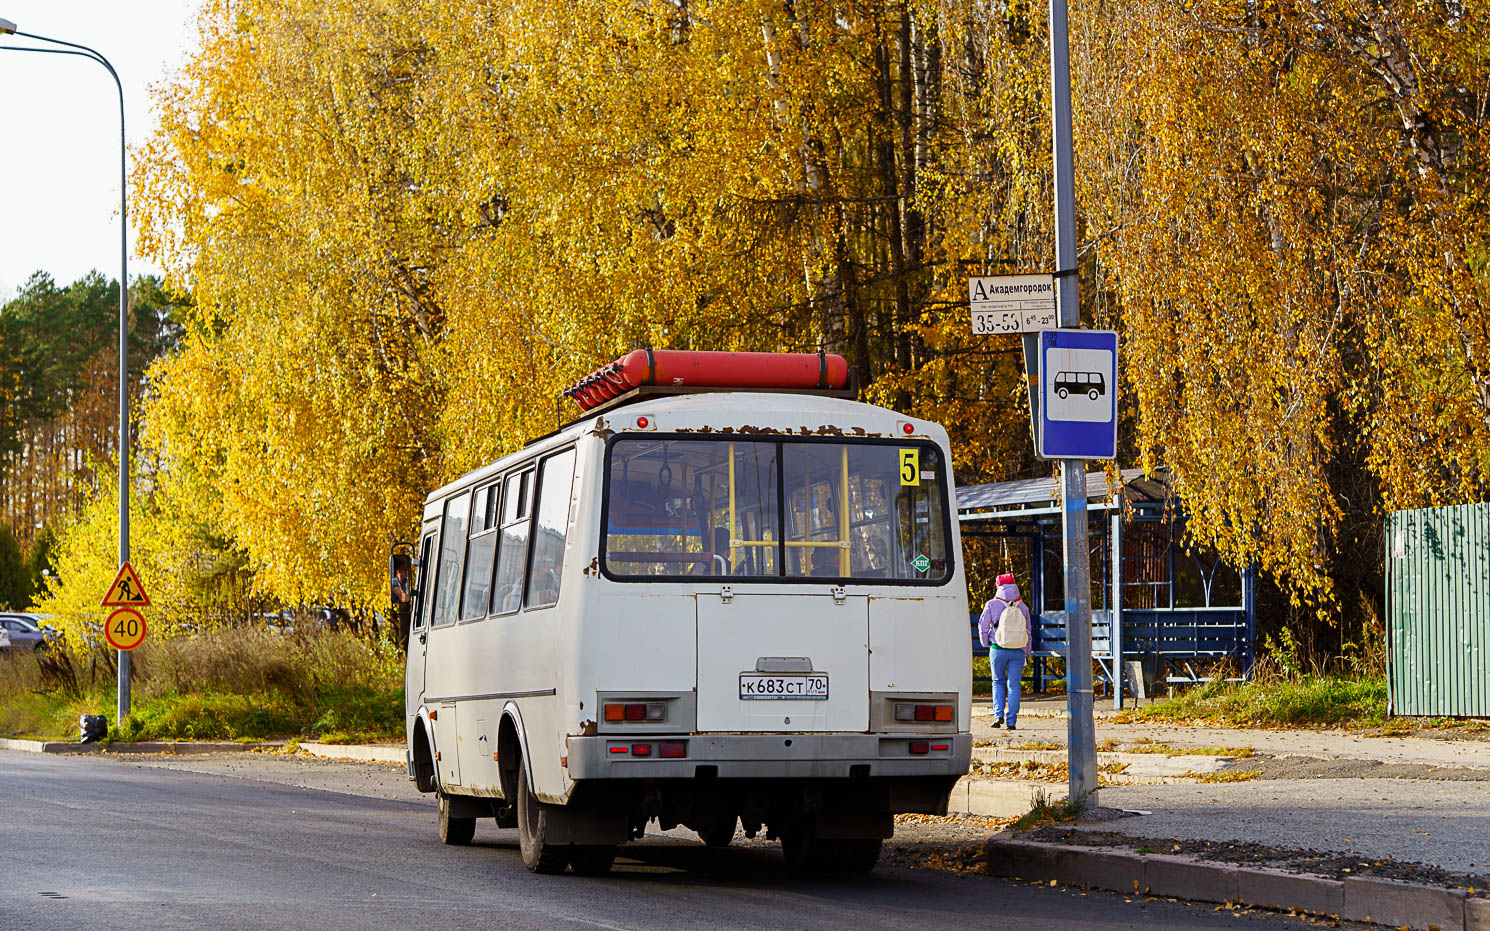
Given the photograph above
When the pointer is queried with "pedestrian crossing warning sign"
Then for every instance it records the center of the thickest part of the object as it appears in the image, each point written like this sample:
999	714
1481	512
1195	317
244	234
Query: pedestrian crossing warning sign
126	591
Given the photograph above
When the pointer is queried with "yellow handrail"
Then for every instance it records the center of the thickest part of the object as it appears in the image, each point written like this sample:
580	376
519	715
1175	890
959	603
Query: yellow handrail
734	529
843	555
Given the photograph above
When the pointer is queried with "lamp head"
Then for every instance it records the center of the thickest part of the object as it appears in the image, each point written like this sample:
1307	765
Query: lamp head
7	28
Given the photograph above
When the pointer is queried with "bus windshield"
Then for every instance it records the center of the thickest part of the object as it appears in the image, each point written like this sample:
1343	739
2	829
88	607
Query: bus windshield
776	509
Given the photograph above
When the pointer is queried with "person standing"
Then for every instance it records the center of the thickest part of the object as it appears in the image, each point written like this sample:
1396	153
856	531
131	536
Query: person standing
1004	627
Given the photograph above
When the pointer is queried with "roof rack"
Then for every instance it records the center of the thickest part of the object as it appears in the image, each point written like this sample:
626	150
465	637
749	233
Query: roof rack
647	392
648	373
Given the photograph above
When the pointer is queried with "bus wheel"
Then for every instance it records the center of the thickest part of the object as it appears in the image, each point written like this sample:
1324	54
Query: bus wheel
457	831
805	852
859	855
718	834
538	856
593	860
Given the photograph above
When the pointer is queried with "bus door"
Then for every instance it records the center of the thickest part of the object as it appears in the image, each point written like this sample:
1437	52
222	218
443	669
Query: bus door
423	577
796	659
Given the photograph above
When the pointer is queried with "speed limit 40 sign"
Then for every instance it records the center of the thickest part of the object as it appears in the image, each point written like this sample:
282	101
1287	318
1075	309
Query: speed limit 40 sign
125	629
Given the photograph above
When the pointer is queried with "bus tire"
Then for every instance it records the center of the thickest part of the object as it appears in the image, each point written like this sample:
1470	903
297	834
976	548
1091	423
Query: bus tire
805	852
593	860
859	855
454	831
720	833
538	856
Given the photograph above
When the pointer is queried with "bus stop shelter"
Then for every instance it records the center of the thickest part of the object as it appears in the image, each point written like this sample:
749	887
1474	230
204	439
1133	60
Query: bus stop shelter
1162	608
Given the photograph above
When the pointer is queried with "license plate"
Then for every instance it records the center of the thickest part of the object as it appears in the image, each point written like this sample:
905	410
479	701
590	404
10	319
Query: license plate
809	686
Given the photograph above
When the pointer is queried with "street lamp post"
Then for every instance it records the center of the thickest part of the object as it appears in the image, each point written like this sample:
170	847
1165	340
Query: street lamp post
72	48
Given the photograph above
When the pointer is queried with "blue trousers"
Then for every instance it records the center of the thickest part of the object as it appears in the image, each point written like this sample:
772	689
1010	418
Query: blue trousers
1008	667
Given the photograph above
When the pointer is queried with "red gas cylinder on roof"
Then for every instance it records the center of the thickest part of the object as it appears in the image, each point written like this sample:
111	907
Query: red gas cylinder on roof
724	370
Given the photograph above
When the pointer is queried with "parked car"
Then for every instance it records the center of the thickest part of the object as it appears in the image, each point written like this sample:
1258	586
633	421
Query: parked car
27	632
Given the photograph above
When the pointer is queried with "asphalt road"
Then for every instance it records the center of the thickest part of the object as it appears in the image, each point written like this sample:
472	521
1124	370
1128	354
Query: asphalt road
104	842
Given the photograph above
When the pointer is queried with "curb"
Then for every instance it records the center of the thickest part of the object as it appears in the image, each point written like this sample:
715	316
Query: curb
1379	901
364	753
142	746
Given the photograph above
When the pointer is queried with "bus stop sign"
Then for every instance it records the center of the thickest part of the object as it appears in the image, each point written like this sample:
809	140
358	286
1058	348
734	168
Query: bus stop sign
1078	394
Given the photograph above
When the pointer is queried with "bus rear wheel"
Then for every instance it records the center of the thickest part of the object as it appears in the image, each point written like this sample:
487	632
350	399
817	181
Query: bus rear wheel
456	831
805	852
859	855
538	856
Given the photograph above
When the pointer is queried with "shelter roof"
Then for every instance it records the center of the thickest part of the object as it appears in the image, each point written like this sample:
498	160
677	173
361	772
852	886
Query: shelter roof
1032	496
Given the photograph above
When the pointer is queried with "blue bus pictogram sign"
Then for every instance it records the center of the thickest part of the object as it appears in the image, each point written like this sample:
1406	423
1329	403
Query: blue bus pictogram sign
1078	394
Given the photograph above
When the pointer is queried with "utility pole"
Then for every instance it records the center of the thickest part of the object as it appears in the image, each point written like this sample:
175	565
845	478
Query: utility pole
1081	733
72	48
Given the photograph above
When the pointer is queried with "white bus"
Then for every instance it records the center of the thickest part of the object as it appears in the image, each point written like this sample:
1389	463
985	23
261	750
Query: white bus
699	609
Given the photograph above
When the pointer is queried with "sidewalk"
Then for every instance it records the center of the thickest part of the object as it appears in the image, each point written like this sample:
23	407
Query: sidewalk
1043	720
1358	814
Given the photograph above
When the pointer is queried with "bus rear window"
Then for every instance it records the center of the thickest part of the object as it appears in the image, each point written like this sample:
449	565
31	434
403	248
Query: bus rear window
770	509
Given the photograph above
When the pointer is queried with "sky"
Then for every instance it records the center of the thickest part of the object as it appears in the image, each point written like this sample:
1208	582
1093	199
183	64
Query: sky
59	130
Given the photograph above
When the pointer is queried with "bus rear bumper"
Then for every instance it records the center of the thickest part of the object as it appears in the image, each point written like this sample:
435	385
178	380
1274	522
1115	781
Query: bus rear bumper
770	756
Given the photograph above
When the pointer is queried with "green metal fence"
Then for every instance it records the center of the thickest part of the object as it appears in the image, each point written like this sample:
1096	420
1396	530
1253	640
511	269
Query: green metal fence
1438	611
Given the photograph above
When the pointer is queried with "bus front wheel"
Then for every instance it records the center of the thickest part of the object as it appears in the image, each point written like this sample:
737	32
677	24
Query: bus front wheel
538	856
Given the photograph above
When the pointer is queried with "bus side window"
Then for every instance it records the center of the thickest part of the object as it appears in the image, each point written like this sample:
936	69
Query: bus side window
480	552
512	553
554	485
452	548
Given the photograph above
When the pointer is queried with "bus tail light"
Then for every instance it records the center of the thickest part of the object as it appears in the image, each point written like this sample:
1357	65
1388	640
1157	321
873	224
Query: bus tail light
637	711
920	746
924	713
641	749
672	749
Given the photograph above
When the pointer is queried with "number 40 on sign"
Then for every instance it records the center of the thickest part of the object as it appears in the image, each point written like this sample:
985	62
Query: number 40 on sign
125	629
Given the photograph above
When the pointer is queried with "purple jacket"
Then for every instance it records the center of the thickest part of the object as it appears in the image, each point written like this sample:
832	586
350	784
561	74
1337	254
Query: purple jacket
988	622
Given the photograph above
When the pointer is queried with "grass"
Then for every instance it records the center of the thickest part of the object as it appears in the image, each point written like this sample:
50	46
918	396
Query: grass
1304	701
1042	813
237	684
1155	746
1230	775
1038	745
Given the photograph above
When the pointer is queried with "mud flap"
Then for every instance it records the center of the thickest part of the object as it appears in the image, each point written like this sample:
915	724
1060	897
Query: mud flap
563	825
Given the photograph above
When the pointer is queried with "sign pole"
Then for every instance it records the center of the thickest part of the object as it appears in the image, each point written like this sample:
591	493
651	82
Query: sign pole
1081	734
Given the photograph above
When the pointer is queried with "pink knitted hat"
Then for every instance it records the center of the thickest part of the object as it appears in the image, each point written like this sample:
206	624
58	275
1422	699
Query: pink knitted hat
1006	579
